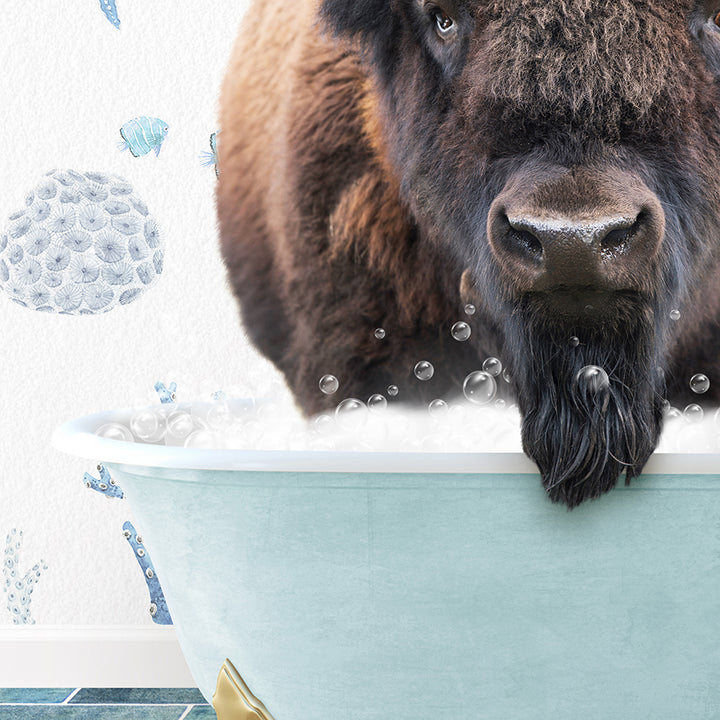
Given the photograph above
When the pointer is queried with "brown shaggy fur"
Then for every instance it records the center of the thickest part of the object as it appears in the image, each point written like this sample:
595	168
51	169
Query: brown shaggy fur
360	156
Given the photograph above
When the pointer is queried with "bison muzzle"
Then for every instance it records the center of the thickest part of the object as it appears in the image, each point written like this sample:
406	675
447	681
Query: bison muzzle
554	162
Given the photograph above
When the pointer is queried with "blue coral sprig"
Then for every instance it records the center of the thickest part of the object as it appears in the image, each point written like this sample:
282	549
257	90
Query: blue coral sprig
158	605
19	588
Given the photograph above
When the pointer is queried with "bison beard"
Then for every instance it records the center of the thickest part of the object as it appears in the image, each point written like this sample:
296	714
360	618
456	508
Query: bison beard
583	439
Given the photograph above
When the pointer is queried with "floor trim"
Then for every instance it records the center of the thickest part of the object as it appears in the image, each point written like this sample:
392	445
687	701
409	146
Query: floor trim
92	656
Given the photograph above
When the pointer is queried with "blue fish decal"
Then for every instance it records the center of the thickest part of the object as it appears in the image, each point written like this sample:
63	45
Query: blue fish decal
143	134
167	394
158	606
105	485
211	158
108	7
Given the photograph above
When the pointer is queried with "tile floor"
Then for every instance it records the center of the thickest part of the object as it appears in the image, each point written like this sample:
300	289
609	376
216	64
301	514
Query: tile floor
104	704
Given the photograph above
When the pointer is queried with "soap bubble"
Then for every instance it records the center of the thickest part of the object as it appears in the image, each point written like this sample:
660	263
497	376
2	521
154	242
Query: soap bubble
424	370
506	376
147	425
203	440
351	414
323	425
438	408
500	404
479	387
672	413
379	333
693	413
699	383
329	384
492	366
115	431
180	424
574	341
469	309
377	402
392	390
674	314
219	416
461	331
592	379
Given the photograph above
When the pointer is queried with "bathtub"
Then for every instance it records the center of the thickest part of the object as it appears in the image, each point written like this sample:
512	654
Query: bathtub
419	586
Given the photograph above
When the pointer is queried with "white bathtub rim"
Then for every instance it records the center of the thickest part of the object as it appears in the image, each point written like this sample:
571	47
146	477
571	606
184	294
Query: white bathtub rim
77	437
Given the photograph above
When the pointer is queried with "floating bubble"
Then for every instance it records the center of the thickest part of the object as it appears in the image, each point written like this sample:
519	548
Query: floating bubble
323	425
329	384
592	379
461	331
492	366
438	408
393	390
379	333
115	431
219	416
469	309
506	376
147	425
377	402
351	414
674	314
693	413
574	341
180	424
203	440
424	370
500	404
699	383
672	413
479	387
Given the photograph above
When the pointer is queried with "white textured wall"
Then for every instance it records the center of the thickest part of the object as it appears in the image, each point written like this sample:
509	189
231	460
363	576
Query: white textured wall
68	81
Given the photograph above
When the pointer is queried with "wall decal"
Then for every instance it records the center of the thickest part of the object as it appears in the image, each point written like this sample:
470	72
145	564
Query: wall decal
167	394
143	134
108	7
19	588
211	158
105	485
158	606
83	244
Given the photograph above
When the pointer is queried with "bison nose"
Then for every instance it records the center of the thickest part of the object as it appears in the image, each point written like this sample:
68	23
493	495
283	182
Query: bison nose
605	246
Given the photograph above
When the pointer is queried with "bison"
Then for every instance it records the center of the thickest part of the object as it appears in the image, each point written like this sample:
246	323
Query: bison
554	162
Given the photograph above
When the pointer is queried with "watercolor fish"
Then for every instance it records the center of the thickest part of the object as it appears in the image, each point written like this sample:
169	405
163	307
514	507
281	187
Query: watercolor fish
143	134
158	606
105	485
167	394
211	158
108	7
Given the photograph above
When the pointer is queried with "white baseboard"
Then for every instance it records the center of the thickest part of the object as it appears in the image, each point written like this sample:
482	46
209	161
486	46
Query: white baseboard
46	656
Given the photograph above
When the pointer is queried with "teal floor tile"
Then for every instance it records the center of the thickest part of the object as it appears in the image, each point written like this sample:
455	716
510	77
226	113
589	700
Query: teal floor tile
90	712
201	712
168	696
34	695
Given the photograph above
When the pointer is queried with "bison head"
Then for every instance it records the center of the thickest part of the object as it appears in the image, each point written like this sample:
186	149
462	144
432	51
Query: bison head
566	156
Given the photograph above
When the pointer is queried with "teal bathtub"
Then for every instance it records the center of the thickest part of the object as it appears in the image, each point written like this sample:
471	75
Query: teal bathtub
365	586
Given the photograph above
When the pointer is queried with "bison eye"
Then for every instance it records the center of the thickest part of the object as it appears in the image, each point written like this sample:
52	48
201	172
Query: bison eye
445	24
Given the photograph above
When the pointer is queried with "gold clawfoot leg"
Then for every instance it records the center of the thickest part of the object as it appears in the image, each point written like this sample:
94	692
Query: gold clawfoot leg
233	700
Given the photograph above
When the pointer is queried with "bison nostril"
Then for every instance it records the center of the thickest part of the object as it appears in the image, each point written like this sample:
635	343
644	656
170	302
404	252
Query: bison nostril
616	240
520	241
527	243
619	239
